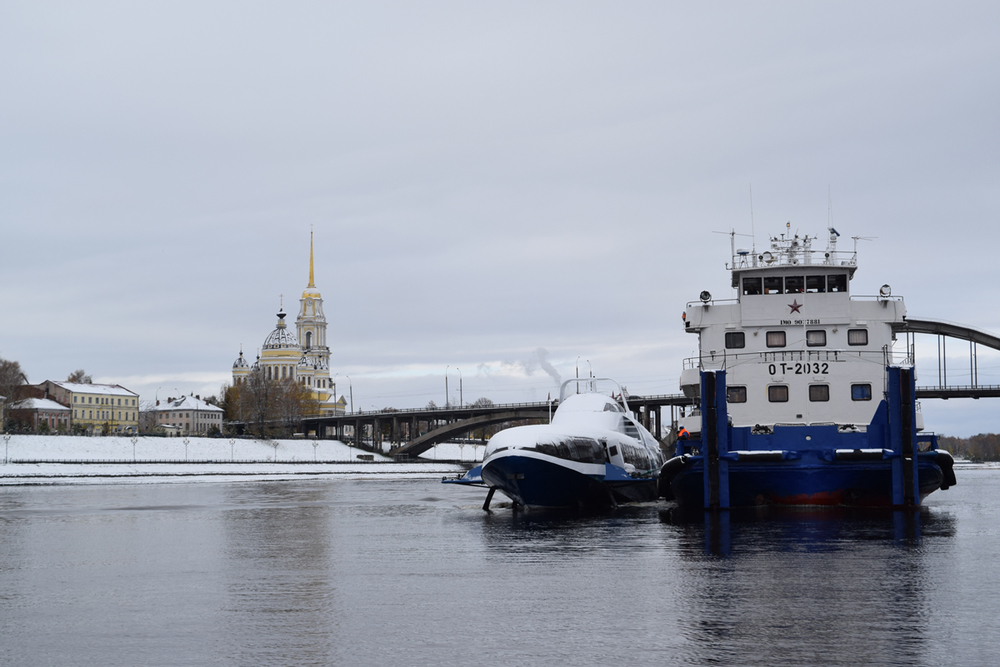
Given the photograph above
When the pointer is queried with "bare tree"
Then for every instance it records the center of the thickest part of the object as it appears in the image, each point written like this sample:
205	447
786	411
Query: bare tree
12	378
256	397
79	376
147	417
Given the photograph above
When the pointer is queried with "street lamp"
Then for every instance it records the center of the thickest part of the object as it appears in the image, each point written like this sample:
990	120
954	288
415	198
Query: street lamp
446	404
578	373
461	399
351	385
591	374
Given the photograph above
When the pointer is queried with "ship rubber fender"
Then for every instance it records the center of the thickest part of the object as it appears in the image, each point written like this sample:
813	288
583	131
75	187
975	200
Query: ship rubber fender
670	470
946	462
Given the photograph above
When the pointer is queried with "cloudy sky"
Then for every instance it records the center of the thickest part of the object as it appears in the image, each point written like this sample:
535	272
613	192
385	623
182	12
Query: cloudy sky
494	187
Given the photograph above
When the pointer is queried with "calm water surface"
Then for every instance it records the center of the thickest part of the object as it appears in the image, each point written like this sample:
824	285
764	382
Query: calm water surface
409	572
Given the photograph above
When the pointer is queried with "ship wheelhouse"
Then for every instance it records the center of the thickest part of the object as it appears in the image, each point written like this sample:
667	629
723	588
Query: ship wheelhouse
797	347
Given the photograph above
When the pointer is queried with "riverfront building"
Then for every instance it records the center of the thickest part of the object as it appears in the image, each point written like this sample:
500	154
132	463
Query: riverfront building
189	415
96	407
41	414
302	356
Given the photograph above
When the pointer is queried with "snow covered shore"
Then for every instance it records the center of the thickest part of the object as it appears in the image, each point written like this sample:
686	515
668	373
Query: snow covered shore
50	459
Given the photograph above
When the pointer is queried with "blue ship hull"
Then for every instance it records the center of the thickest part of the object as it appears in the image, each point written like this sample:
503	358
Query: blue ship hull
886	464
810	480
534	482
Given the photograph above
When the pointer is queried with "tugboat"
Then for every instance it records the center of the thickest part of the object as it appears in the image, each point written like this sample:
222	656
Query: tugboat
592	454
800	397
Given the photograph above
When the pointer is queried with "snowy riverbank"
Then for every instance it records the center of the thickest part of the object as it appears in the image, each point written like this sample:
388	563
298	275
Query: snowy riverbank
50	459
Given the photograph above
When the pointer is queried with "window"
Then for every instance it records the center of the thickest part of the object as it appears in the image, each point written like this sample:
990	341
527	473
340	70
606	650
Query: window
819	392
772	285
751	286
776	339
735	340
815	338
836	283
736	394
777	393
815	284
861	392
794	284
857	336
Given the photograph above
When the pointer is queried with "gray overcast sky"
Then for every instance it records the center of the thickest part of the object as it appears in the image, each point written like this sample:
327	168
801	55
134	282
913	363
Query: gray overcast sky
485	180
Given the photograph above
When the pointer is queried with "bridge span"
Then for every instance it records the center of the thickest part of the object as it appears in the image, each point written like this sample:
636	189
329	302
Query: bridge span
943	331
409	433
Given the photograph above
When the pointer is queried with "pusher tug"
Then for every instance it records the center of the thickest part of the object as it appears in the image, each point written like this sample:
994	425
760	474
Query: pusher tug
593	454
802	400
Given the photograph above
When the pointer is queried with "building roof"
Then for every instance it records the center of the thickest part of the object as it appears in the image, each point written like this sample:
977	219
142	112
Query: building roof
38	404
188	403
107	389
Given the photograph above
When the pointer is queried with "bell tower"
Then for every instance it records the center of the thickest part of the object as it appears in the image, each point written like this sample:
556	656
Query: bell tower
311	328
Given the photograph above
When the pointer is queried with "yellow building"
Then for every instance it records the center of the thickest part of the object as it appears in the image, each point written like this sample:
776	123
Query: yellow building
95	408
302	357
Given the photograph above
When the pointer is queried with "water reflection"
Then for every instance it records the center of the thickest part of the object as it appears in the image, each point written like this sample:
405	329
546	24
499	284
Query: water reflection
781	585
278	578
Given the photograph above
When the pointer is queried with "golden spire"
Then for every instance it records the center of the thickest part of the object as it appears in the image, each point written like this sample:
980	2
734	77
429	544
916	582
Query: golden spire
312	282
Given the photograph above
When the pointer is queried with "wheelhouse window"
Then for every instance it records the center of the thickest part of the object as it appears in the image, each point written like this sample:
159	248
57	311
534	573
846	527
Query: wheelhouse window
752	286
735	340
777	393
815	284
819	392
776	339
815	338
736	394
773	285
861	392
794	284
857	336
836	282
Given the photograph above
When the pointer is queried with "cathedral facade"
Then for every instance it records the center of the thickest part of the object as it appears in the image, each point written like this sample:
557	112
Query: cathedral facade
303	356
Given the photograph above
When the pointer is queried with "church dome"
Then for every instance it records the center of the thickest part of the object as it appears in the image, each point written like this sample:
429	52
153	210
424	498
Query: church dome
281	337
240	362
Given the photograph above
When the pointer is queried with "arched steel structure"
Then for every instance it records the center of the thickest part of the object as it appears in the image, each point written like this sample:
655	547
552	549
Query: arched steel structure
451	430
945	330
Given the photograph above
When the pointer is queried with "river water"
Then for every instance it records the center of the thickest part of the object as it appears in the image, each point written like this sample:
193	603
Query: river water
411	572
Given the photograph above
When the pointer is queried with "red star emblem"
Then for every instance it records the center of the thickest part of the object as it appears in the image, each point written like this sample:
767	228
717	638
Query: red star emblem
795	305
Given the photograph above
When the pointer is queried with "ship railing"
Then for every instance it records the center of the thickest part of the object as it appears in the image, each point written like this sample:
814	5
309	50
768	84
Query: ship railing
875	297
788	256
712	302
722	359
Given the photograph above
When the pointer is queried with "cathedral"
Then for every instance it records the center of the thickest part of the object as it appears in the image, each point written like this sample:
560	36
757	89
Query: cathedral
302	356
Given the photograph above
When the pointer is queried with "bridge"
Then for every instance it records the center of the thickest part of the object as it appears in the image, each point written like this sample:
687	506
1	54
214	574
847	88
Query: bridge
410	433
945	331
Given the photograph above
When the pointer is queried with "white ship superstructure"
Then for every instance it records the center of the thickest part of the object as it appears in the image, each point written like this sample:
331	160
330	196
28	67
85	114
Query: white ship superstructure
797	347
